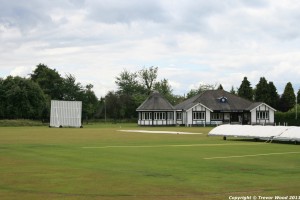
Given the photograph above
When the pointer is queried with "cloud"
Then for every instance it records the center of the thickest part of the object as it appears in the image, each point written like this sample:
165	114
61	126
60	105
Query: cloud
21	71
190	41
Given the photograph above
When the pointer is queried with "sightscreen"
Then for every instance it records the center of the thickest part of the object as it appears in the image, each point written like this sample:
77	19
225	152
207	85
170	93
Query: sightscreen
65	113
290	133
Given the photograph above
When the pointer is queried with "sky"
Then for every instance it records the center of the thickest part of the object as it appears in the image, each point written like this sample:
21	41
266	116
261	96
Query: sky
192	42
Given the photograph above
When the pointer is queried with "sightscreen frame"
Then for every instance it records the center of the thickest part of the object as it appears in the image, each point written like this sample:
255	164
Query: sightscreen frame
65	113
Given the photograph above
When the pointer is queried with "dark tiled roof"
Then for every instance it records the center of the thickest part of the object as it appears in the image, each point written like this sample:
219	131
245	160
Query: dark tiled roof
155	102
211	99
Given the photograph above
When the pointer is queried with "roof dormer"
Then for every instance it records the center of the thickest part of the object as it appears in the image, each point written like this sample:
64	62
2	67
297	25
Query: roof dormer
223	99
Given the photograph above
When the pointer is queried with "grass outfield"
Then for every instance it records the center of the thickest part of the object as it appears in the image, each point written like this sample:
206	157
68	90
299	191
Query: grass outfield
100	162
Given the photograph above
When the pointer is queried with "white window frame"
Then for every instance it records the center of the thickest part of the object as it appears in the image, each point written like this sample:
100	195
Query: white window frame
146	116
179	115
198	115
170	115
159	116
216	116
262	115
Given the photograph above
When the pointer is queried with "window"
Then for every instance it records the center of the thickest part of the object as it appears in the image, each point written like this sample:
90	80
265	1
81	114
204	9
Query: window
159	116
217	116
146	115
170	115
198	115
262	114
179	115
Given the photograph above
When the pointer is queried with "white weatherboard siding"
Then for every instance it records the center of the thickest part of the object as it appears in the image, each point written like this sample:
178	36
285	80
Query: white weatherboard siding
65	113
257	119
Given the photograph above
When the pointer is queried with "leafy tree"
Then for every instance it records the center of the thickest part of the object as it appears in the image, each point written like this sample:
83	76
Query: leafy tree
220	87
288	98
72	90
49	80
90	102
148	78
127	83
245	90
201	89
113	105
22	98
2	99
164	88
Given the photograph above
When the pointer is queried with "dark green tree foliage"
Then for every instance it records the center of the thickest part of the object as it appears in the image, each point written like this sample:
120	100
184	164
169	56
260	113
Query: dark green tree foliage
164	88
22	99
220	87
72	90
288	98
49	80
245	90
262	91
2	98
90	102
273	96
113	105
232	90
298	97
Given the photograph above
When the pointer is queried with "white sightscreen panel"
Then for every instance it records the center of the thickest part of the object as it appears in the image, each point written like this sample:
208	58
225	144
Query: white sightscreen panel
264	132
65	113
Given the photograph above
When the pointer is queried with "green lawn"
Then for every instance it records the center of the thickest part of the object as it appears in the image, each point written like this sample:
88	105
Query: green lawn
100	162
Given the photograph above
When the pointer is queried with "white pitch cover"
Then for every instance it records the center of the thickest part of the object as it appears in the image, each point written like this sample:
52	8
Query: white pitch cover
262	132
65	113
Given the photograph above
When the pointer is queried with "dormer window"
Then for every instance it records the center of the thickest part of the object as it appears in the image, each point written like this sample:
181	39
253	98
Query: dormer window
223	100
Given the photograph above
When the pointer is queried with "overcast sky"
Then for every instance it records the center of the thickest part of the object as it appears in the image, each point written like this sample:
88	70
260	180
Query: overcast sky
190	41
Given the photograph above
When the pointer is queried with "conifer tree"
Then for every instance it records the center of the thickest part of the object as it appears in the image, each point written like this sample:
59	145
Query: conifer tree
288	98
273	100
262	91
245	90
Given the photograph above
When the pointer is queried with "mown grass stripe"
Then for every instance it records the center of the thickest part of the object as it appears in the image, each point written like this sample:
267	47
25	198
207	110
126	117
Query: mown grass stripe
174	145
254	155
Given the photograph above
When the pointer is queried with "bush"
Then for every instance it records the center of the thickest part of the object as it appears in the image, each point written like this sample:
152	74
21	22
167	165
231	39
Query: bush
288	117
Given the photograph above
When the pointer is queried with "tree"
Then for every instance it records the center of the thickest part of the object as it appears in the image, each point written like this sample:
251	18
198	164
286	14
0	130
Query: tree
220	87
2	99
288	98
113	105
72	91
164	88
262	91
22	98
273	96
148	78
245	90
232	91
202	88
298	97
127	82
90	102
49	80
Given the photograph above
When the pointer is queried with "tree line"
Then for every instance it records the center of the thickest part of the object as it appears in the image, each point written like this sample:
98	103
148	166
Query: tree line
266	92
29	98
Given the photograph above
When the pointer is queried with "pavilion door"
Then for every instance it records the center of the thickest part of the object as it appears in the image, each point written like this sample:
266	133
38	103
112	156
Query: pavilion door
235	118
